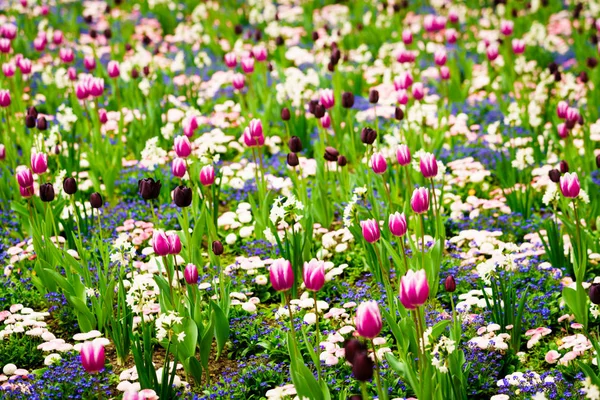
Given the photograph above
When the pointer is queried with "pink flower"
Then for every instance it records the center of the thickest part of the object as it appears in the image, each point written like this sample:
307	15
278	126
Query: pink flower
414	289
370	230
230	60
397	224
92	357
113	69
25	66
281	275
96	86
253	134
81	90
178	167
429	23
326	121
103	116
207	175
378	163
66	55
259	53
314	274
445	73
26	192
89	62
368	319
440	57
518	46
552	357
4	98
4	45
239	81
417	91
25	177
160	243
326	98
403	155
403	81
405	56
569	185
562	129
8	69
407	36
174	243
145	394
248	65
561	109
57	37
39	163
190	125
420	200
451	36
492	52
182	146
506	27
9	31
190	274
39	43
72	73
428	164
453	15
402	96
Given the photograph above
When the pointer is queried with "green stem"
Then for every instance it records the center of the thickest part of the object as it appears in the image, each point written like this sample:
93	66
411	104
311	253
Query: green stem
422	242
363	389
318	342
293	329
377	373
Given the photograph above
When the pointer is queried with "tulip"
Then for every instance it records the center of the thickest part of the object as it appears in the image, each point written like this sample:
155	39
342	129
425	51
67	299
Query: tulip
402	97
217	248
26	192
207	175
429	23
42	124
259	53
554	175
81	91
39	163
190	125
174	244
314	274
450	284
2	152
39	43
368	320
92	357
4	45
414	289
595	293
145	394
326	98
66	55
518	46
178	167
403	81
46	192
564	166
353	347
420	200
248	65
103	116
96	200
4	98
561	109
407	36
428	164
563	131
57	37
397	224
295	144
444	73
368	135
25	177
113	69
492	52
149	189
440	22
239	81
70	186
72	73
370	230
417	91
326	121
89	62
569	185
8	69
362	368
506	27
440	57
96	86
230	60
453	15
347	100
378	163
451	36
9	31
281	275
161	243
183	147
253	134
331	154
25	65
404	56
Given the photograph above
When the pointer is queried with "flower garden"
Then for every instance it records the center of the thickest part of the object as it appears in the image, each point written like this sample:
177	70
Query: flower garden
301	199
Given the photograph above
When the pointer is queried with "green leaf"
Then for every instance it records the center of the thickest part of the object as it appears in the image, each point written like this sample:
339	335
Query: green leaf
221	323
194	368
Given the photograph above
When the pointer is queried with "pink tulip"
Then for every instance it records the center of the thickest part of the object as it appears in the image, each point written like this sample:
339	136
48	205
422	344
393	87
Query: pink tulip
451	36
440	22
563	130
239	81
145	394
414	289
207	175
569	185
9	31
25	65
230	60
103	116
402	97
417	91
57	37
8	69
81	90
25	177
4	98
326	121
506	27
314	274
445	72
253	134
397	224
160	243
39	163
248	65
259	53
428	164
190	125
453	15
326	98
26	192
440	57
178	167
113	69
39	43
518	46
492	52
420	200
378	163
281	275
96	86
174	243
183	147
368	320
2	152
72	73
66	55
429	23
561	109
407	36
370	230
403	81
403	155
4	45
92	357
190	273
89	62
405	56
572	114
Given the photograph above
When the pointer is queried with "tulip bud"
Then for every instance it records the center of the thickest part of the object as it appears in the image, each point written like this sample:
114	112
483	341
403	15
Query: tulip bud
46	192
70	186
440	57
368	135
281	275
397	224
402	97
103	116
353	347
370	230
113	69
414	289
2	152
207	175
407	36
492	52
554	175
378	163
598	161
319	111
506	27
331	154
561	109
239	81
569	185
190	274
347	100
595	293
420	200
326	121
174	244
564	167
368	320
428	165
445	73
25	177
373	96
178	167
39	163
183	147
217	248
343	161
403	155
295	144
96	200
42	125
30	121
450	284
292	160
518	46
285	114
182	196
417	91
399	114
26	192
230	60
314	274
4	98
362	368
248	65
92	357
326	98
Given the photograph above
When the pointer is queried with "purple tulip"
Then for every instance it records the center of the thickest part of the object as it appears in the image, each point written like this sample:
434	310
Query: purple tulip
420	200
92	357
160	243
326	121
370	230
39	163
569	185
397	224
378	163
428	164
207	175
281	275
314	274
368	319
414	289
